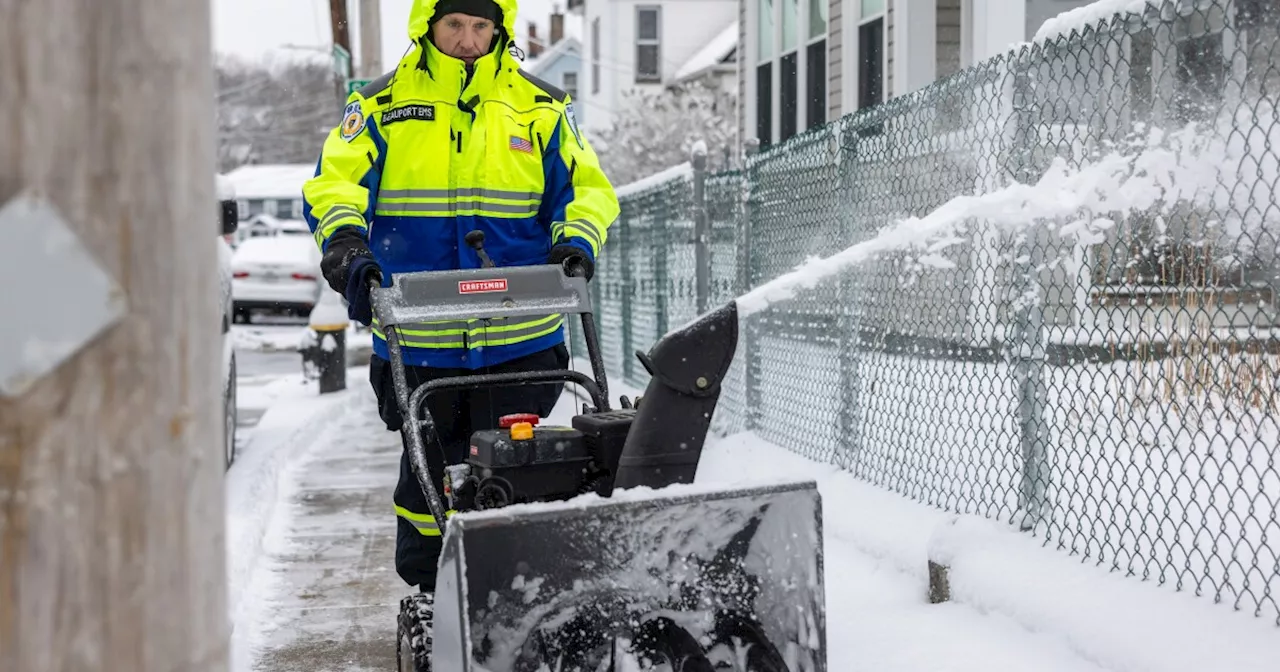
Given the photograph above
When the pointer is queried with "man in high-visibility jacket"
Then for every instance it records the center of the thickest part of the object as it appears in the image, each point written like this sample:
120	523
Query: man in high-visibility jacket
457	138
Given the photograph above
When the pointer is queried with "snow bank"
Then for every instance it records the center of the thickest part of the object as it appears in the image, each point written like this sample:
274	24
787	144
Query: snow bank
1083	612
1106	616
296	416
1088	15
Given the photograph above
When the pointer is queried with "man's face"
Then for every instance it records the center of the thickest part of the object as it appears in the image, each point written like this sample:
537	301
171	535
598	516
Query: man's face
464	36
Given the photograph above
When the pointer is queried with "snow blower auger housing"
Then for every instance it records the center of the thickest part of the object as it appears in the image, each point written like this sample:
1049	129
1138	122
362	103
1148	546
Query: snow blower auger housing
578	549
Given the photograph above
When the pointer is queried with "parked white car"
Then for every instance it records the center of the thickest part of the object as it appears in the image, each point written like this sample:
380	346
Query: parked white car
228	221
276	274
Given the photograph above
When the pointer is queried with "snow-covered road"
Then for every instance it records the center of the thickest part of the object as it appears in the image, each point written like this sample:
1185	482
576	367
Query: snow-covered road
314	588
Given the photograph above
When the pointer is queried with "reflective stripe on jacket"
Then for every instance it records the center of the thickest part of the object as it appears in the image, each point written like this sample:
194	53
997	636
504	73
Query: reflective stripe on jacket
426	154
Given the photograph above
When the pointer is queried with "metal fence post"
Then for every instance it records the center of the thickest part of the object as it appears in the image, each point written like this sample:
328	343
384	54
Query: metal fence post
1028	339
660	244
701	229
750	328
844	141
626	243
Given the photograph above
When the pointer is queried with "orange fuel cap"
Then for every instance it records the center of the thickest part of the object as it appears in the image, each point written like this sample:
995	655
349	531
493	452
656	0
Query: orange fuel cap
521	431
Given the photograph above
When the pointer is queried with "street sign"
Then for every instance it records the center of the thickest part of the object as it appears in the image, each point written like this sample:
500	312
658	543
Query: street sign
341	61
354	84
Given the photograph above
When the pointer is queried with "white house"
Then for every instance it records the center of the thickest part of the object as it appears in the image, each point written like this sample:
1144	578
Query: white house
649	44
557	59
807	62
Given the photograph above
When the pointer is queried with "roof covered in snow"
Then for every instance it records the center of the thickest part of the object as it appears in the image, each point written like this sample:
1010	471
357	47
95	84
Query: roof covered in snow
567	46
271	180
711	55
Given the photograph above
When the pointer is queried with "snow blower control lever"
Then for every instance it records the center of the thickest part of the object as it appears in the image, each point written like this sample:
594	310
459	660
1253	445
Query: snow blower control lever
476	240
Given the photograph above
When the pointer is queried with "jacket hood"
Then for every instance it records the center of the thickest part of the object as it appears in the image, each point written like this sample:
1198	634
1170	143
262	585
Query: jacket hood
420	18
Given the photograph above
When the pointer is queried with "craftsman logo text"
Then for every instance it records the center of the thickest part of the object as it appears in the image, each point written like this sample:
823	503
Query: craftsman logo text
482	286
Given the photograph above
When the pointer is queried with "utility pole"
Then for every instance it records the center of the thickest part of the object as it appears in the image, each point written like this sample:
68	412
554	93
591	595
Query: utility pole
112	552
370	38
340	24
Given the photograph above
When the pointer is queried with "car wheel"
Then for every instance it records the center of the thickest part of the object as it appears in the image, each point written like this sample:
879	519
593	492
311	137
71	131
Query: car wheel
230	416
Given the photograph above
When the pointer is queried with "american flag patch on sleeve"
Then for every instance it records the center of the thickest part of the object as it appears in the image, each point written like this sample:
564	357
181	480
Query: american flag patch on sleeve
521	145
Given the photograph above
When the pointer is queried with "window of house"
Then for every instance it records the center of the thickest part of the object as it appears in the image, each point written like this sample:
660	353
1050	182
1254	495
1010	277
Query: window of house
870	53
764	72
648	44
815	87
791	73
1141	53
595	55
1200	66
569	82
871	63
1258	21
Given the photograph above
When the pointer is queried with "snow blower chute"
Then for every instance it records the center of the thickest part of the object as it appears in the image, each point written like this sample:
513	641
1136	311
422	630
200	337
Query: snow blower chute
589	548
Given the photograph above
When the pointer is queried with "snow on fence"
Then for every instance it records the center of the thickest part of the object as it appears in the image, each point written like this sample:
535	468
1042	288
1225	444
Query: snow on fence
1108	381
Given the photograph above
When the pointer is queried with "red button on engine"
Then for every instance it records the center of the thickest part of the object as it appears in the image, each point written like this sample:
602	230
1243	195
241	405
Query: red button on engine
507	420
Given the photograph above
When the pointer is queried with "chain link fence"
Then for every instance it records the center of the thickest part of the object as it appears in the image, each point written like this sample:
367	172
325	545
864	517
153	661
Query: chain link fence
1108	381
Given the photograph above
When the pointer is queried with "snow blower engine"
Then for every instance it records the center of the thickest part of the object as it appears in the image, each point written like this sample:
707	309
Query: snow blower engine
523	462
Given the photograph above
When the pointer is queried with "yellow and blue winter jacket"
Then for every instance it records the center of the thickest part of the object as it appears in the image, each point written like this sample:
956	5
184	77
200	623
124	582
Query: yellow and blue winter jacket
427	153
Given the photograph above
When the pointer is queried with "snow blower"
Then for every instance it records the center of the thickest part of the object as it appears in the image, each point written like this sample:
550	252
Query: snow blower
589	548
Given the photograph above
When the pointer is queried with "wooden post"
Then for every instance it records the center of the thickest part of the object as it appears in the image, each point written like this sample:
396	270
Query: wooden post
340	28
340	25
111	468
370	38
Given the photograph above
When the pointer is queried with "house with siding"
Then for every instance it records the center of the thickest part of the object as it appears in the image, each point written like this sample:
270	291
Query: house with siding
557	58
651	45
807	62
1166	64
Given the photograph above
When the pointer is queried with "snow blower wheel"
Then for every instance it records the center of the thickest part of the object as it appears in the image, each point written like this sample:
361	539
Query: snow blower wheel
413	637
494	493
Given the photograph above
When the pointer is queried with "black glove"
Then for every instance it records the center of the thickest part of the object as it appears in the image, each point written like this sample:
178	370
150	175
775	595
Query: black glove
570	256
348	264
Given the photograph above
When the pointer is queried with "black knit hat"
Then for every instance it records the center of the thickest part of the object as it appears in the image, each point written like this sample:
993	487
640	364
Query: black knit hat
485	9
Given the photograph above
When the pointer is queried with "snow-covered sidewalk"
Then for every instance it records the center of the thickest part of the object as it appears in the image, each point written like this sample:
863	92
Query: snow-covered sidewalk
1015	604
317	589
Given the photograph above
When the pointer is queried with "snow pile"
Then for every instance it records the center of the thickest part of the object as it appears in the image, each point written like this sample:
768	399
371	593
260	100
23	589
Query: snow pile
1015	604
295	416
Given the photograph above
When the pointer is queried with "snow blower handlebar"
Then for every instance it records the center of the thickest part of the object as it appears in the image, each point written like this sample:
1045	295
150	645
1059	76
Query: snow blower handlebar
486	293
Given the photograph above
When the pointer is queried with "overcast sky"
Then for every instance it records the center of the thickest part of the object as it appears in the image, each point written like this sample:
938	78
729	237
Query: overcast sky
253	28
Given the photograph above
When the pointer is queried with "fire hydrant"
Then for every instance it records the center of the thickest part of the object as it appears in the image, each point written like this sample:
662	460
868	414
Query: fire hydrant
324	345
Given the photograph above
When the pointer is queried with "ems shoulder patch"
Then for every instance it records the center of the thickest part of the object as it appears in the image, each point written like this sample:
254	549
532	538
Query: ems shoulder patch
352	121
409	113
